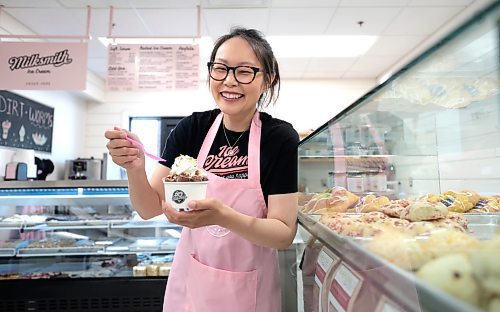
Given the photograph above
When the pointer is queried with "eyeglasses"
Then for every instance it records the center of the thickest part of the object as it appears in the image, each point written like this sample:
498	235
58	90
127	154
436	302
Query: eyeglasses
242	74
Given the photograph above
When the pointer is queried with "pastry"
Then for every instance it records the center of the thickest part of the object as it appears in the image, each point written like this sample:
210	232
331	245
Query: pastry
152	270
424	210
448	224
486	270
458	218
472	196
164	270
420	228
342	199
373	217
485	205
395	207
453	274
337	200
348	226
139	270
446	241
399	249
456	202
371	203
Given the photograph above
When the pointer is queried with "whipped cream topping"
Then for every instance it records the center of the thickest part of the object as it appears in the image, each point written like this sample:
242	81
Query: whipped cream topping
187	166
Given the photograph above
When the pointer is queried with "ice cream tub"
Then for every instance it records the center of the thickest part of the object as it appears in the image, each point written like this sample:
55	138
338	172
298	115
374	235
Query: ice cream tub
185	182
178	194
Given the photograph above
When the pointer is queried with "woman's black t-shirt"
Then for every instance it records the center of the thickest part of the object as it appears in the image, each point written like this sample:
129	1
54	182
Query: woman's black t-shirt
278	150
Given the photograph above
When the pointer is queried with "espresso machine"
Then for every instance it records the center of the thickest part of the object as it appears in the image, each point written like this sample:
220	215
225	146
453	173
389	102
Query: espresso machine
83	169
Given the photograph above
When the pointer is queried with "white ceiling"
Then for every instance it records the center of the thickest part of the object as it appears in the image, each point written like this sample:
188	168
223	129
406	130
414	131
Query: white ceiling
401	25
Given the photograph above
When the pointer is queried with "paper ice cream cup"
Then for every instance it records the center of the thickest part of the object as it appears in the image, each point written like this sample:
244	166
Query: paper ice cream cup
178	194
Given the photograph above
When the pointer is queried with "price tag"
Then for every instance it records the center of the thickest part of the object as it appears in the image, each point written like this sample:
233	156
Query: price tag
324	263
386	305
344	288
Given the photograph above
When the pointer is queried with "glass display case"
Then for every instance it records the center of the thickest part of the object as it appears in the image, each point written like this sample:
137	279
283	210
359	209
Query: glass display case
399	194
79	245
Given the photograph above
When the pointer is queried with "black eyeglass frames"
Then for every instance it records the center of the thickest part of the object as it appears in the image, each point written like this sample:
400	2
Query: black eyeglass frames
242	74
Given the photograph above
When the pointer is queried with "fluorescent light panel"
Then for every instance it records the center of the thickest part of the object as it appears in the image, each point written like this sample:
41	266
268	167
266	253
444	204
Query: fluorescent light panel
320	46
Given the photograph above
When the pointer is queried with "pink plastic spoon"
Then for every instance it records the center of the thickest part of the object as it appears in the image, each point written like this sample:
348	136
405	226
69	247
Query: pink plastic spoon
141	147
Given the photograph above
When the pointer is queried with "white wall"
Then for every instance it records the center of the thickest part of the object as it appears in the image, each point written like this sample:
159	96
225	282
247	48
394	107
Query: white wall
68	139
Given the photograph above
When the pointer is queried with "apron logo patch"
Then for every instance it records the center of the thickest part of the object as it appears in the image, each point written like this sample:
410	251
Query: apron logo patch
179	196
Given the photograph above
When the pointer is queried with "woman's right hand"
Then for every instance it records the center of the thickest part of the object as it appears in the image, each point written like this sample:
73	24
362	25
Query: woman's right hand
124	153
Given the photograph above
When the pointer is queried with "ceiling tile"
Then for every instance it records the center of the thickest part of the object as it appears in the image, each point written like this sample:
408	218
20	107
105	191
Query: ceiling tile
440	2
375	20
226	4
321	65
293	64
373	3
304	21
219	21
30	4
372	65
397	46
129	4
410	21
308	4
367	73
323	75
74	20
172	22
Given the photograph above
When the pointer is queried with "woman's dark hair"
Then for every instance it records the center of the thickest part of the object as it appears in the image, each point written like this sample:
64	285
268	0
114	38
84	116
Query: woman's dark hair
264	53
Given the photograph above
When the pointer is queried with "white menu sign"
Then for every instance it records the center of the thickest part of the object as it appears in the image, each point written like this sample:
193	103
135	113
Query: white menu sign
153	67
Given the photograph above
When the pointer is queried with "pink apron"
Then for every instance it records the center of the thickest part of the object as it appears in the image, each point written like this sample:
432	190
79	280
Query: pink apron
215	269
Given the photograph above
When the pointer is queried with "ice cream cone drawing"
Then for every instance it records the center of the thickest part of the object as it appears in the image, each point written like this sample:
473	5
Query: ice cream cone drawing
39	139
22	133
5	129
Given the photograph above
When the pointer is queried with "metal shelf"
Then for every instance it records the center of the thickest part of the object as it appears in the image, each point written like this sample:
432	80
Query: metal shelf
69	192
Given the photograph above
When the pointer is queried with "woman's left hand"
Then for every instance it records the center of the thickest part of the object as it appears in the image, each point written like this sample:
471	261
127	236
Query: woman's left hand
203	212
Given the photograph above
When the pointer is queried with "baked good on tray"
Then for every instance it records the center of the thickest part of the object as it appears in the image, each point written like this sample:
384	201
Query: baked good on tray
337	199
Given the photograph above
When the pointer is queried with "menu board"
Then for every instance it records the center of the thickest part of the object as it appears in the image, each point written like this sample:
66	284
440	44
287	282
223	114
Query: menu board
25	123
153	67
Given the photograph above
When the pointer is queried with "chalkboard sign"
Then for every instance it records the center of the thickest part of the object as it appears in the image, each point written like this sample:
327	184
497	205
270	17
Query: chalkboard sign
25	123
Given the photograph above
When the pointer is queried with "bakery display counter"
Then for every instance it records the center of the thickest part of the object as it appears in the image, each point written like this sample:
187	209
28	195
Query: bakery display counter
376	281
399	193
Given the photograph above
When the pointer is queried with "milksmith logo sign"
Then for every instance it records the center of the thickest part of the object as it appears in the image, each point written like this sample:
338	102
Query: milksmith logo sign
58	59
43	65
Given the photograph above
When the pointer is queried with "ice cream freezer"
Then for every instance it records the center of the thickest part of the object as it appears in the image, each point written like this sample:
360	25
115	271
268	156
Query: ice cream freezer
80	246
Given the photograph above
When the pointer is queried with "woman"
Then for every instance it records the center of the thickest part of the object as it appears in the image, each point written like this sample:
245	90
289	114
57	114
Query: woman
226	259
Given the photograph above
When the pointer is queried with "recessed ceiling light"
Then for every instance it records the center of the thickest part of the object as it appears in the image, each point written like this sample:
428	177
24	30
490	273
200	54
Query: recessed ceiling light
320	46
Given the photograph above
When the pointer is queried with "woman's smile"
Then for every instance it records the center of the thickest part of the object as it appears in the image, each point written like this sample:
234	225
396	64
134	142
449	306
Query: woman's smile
231	96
